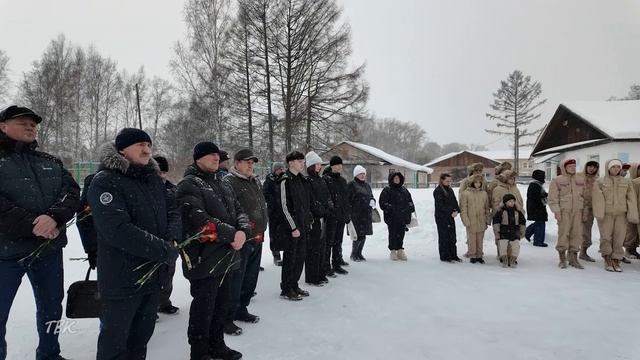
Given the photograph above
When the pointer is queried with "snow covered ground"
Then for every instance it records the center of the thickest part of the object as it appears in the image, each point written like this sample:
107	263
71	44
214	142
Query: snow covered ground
420	309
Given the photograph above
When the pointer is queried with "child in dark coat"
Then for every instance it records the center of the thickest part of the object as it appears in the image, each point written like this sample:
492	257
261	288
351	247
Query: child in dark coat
509	227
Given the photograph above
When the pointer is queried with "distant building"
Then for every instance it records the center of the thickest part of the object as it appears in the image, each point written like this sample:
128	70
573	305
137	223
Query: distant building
590	130
378	163
525	162
456	164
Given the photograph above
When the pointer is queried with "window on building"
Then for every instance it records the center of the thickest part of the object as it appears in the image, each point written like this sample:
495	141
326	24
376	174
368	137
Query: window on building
624	157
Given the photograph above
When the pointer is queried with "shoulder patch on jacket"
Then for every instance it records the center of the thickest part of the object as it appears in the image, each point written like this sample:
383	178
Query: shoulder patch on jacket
106	198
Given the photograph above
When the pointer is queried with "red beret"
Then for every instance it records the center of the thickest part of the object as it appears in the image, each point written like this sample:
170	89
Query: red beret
626	166
570	162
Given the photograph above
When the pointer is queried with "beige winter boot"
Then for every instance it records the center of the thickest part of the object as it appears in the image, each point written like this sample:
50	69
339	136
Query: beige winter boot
608	264
401	255
513	262
584	256
573	261
394	255
616	265
563	260
504	260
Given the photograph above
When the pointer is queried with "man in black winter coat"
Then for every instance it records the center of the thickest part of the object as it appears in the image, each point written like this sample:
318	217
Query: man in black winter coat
271	191
337	219
37	198
84	223
446	211
321	207
131	215
397	205
294	225
212	215
537	209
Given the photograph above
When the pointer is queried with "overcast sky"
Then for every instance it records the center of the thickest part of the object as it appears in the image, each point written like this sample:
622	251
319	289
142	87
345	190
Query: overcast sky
435	63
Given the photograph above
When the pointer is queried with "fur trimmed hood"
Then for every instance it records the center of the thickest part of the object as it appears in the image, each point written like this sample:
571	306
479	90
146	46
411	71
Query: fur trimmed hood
503	167
475	167
506	175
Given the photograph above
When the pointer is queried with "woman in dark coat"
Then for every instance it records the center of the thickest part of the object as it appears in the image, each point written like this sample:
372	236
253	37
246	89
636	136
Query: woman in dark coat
397	205
362	202
446	210
537	209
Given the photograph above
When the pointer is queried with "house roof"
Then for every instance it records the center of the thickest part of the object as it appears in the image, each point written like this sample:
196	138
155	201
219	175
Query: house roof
391	159
617	119
495	155
562	148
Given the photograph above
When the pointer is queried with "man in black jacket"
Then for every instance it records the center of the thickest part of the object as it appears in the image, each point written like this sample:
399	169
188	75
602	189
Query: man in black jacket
271	191
37	198
130	213
210	212
249	192
446	211
338	219
321	207
537	209
294	226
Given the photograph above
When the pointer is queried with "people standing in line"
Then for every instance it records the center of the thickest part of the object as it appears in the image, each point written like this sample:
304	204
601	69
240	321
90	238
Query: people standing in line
166	307
614	203
475	213
446	211
632	240
295	225
338	219
506	184
590	177
321	207
537	209
210	212
271	192
509	226
37	198
397	205
135	231
567	203
362	204
248	190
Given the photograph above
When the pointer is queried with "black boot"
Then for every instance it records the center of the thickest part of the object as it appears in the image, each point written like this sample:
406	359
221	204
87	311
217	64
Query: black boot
360	247
222	351
339	270
354	251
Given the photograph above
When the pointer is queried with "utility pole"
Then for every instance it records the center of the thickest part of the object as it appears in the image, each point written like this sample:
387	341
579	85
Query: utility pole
138	105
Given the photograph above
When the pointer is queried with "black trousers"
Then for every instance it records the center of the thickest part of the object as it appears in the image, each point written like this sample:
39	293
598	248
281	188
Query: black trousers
167	289
126	326
334	232
245	279
447	239
316	246
396	235
210	305
293	263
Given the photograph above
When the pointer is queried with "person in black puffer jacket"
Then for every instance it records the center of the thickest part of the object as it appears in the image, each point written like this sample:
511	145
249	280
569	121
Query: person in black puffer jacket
321	207
537	209
446	210
37	198
397	206
211	209
362	204
135	232
338	219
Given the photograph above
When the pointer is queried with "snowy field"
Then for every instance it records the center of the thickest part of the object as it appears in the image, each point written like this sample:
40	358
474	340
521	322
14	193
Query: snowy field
419	309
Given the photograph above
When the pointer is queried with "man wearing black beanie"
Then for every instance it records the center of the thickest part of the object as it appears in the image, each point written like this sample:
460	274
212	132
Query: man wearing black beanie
337	220
135	232
210	212
294	226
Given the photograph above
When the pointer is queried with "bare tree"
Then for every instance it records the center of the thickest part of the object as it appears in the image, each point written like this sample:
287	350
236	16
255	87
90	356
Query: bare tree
4	75
160	95
514	109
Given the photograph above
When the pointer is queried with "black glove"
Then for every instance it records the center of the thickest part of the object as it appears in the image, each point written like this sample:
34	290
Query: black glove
93	260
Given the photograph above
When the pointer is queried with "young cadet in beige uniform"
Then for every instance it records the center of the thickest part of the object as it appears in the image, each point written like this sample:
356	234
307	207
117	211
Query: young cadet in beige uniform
590	177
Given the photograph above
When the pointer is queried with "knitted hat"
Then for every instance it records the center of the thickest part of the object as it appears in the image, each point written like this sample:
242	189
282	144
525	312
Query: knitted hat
163	164
508	197
359	170
312	159
129	136
613	163
14	111
203	149
335	160
539	175
277	166
295	155
593	163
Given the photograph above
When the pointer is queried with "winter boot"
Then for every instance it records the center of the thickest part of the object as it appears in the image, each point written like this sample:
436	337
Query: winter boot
631	253
339	270
394	255
401	255
222	351
360	247
625	260
277	259
290	295
513	262
608	263
573	261
232	329
504	260
354	250
616	265
563	260
584	256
